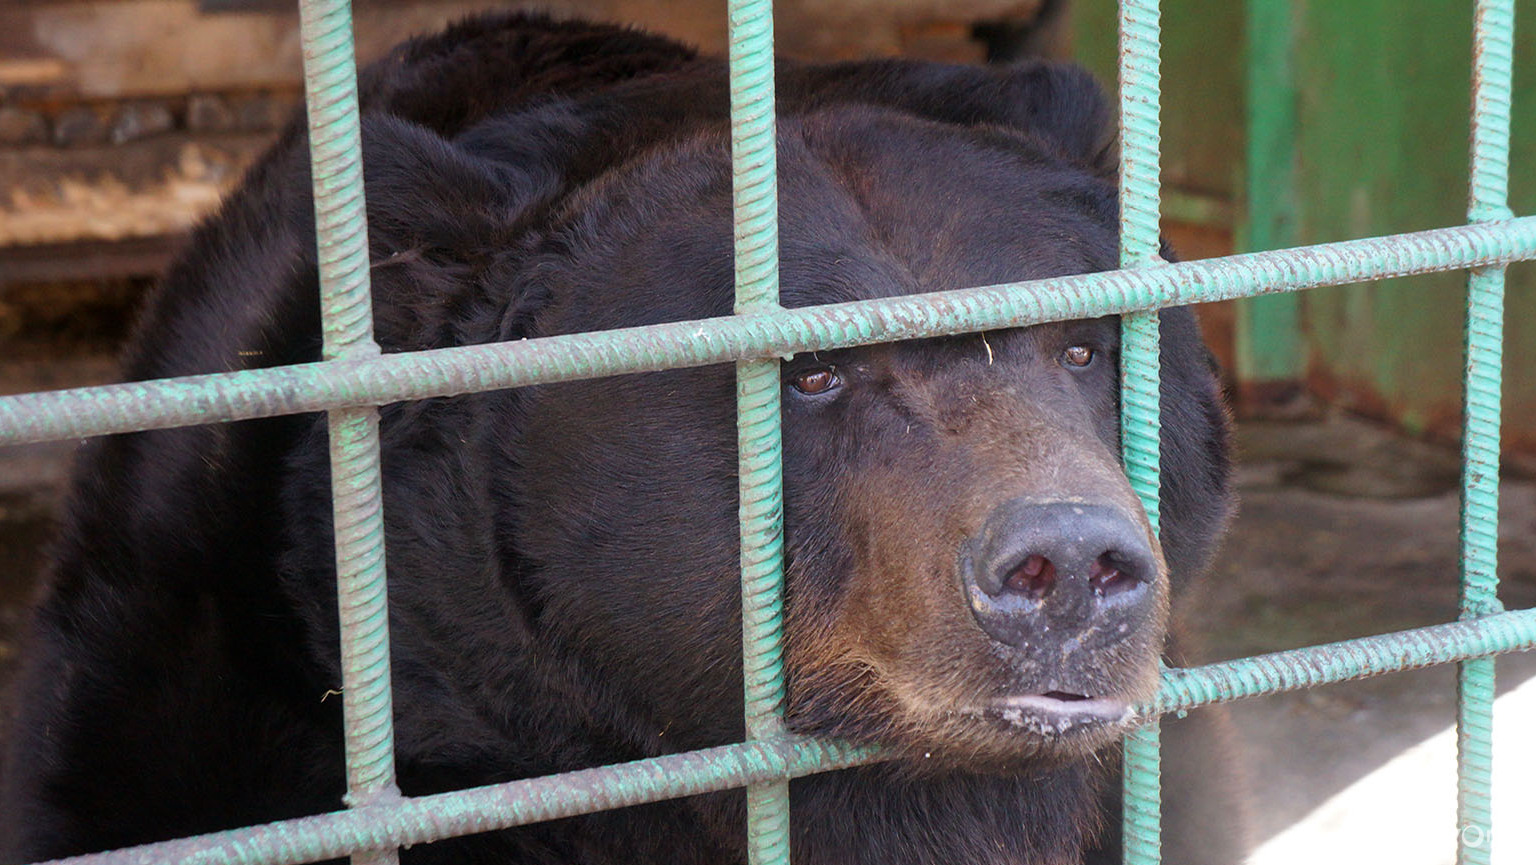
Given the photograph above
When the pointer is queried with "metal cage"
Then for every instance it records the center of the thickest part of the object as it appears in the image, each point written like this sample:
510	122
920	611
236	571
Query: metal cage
354	379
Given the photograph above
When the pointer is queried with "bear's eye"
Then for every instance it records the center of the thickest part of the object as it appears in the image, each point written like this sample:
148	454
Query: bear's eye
1077	356
816	381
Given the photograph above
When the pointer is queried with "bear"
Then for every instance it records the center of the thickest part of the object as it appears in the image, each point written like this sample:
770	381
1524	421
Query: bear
971	584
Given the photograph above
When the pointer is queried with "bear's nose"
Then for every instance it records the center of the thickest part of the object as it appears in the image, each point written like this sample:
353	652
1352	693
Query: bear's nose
1045	572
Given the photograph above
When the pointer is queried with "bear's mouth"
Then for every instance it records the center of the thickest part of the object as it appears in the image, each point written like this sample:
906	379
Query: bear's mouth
1055	714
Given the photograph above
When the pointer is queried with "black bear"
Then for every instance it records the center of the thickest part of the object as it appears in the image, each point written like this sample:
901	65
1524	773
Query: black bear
971	582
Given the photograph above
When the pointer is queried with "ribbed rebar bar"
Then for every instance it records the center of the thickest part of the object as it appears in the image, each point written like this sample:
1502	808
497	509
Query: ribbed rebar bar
1140	132
1142	793
754	159
1140	408
417	820
406	821
336	173
246	394
1493	51
346	305
1140	370
755	202
1492	68
354	379
1298	669
1474	761
357	510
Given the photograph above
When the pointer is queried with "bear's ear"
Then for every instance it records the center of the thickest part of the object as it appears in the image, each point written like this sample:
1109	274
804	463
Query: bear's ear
1057	104
1061	104
429	195
447	220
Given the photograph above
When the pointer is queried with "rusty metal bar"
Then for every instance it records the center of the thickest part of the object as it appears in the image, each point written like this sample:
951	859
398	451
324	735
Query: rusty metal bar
1298	669
346	322
1140	370
446	372
415	820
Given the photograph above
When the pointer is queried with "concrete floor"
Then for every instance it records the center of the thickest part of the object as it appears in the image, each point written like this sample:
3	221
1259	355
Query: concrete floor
1345	530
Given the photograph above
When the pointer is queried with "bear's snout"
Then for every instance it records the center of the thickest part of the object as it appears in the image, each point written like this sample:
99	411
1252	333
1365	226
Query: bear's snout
1040	575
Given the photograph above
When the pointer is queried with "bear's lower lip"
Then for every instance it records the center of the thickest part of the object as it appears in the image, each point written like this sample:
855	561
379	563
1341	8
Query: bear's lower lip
1057	714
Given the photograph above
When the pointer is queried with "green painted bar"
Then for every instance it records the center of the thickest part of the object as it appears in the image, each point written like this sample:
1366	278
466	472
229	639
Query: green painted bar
1298	669
1142	794
1140	407
219	397
354	379
1483	341
1140	237
429	818
1474	761
1140	422
1268	336
415	820
346	305
754	165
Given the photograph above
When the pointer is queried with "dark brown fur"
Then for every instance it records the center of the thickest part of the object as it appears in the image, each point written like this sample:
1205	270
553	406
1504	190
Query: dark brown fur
563	558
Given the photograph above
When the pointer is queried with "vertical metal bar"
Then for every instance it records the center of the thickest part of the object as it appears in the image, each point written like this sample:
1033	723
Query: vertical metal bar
1140	241
1492	68
330	89
1267	339
759	436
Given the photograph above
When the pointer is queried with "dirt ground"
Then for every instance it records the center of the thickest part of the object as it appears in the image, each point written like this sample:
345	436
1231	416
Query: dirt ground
1345	530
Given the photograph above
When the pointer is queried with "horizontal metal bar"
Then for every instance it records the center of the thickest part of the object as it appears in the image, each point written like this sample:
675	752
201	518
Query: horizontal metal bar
417	820
1361	658
445	372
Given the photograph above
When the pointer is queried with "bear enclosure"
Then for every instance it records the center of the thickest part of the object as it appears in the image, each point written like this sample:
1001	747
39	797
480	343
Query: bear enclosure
354	379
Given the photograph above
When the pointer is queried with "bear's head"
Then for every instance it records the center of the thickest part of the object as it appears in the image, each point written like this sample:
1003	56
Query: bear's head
970	577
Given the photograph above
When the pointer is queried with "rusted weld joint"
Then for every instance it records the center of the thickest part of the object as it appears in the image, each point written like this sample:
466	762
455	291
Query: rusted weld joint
378	798
1487	212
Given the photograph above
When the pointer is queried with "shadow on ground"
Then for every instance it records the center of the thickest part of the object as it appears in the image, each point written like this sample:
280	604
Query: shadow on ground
1345	531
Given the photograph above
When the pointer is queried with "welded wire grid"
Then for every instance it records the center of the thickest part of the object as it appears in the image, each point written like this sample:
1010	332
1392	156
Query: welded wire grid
354	380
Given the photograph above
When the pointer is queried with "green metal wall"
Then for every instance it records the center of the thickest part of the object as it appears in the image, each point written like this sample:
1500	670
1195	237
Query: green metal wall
1353	123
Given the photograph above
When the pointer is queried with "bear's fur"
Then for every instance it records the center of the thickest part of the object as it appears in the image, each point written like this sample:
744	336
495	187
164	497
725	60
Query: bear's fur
562	558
